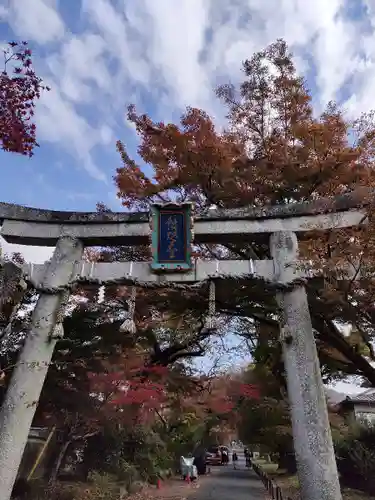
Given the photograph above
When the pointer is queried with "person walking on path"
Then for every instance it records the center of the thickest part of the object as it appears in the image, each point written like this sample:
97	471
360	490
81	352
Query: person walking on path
224	457
234	460
247	457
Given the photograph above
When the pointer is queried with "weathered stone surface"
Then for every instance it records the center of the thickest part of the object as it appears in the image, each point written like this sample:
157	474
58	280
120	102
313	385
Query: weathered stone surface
317	471
237	227
12	211
128	273
356	199
27	380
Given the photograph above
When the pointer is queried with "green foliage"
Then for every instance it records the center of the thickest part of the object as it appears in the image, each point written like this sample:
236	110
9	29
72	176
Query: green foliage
185	435
128	454
266	421
355	455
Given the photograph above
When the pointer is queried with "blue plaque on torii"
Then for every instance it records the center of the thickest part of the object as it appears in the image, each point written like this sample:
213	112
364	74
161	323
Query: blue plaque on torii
171	237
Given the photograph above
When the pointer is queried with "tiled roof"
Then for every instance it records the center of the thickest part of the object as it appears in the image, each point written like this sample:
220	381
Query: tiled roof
364	397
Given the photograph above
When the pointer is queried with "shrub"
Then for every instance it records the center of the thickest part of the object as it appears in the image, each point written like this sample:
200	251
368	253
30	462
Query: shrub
99	487
355	456
126	472
58	491
129	454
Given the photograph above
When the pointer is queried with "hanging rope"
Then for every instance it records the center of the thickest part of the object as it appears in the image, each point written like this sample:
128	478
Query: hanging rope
211	322
101	294
58	331
128	326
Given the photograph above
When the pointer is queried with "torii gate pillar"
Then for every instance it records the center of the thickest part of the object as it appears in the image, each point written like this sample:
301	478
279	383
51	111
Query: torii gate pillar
18	408
317	470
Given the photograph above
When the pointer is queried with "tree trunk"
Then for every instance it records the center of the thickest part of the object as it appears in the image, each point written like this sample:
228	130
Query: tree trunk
59	461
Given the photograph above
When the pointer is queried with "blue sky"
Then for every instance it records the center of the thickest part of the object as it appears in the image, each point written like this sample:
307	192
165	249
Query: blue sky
100	55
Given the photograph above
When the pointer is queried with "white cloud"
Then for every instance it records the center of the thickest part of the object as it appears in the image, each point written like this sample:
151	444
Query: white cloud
106	134
164	55
40	22
123	38
176	43
3	13
36	255
59	123
80	68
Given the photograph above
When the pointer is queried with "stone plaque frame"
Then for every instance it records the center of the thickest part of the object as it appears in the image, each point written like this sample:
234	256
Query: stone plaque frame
180	253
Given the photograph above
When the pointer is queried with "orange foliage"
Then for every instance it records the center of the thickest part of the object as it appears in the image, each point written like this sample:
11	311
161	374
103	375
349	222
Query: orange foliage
275	149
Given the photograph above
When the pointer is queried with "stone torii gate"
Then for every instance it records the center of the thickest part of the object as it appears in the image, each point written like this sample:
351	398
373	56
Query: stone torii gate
171	233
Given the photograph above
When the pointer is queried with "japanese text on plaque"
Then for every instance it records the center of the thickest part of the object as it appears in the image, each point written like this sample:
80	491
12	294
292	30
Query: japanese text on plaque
172	225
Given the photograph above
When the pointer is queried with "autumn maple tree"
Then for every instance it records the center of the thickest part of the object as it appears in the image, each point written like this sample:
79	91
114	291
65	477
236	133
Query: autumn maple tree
20	88
274	150
103	385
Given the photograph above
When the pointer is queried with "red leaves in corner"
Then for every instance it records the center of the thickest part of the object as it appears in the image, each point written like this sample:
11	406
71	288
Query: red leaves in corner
20	87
